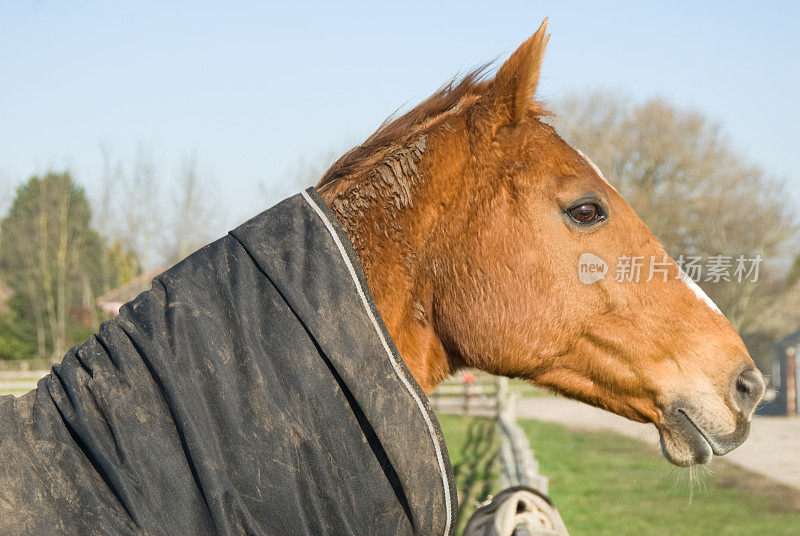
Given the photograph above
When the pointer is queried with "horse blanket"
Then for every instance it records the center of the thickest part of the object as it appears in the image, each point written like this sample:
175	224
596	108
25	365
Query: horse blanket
253	390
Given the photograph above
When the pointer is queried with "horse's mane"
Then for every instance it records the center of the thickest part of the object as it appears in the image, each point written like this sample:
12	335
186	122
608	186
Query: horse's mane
397	132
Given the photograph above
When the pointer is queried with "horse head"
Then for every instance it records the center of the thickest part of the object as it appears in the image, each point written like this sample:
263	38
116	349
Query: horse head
490	242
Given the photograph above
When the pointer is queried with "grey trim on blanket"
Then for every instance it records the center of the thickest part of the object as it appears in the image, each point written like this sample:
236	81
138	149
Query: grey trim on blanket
394	355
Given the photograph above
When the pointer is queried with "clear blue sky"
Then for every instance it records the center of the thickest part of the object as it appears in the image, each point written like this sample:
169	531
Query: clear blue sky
252	87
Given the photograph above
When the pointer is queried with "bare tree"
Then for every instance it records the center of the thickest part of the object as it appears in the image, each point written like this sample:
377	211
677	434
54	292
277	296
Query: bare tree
6	194
104	210
305	173
195	213
140	210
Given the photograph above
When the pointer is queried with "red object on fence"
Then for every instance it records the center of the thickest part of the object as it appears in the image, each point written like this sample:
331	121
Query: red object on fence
469	377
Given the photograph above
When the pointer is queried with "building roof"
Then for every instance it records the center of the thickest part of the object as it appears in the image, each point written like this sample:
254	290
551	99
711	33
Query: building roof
111	301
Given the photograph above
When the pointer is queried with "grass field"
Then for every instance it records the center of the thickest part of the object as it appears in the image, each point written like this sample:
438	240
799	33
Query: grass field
608	485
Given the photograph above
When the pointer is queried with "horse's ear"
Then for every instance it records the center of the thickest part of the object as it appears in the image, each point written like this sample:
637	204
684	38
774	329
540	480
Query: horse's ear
515	83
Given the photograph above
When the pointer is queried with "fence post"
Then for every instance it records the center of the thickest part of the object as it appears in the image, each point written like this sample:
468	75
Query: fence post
518	464
506	452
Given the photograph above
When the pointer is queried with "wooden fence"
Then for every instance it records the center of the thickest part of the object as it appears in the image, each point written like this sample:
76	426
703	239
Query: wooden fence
482	395
495	444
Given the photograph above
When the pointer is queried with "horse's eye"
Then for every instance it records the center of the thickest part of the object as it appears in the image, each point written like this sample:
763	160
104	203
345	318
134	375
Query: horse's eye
586	213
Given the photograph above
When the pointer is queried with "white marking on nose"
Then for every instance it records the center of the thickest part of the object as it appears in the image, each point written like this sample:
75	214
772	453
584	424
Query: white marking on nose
596	169
698	291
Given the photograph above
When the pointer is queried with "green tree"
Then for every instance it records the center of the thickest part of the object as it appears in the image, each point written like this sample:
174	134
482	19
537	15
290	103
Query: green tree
16	336
50	256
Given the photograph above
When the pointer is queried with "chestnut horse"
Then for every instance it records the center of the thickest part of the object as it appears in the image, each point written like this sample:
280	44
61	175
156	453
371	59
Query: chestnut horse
469	215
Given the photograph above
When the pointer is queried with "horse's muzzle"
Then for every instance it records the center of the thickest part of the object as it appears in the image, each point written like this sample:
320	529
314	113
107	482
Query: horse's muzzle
691	432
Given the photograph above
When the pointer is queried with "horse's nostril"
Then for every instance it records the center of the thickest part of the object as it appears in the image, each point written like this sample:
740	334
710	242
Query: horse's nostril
742	386
749	388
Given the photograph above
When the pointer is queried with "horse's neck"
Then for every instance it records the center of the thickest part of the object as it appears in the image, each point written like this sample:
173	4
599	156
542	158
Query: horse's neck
382	219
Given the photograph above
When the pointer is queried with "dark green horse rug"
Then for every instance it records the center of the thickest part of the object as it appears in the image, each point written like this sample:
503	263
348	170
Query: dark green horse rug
253	390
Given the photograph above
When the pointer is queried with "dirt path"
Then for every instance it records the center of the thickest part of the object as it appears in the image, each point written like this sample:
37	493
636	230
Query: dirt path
772	450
